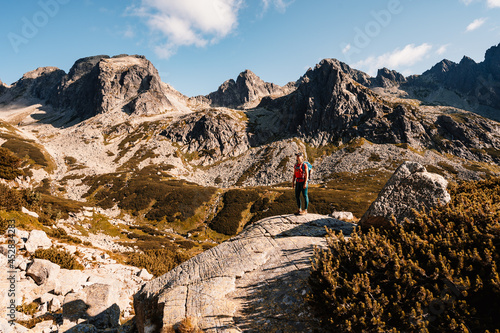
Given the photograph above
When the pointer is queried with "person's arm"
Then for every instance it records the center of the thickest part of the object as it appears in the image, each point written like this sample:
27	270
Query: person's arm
293	180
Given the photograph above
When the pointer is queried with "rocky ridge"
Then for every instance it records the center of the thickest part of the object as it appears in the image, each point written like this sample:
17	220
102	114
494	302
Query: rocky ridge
256	281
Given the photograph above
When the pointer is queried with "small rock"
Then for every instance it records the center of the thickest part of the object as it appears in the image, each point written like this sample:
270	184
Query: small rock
30	213
42	270
37	239
55	304
145	275
47	297
344	216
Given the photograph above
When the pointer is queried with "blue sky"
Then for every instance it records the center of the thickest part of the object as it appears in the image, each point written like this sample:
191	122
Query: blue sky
198	44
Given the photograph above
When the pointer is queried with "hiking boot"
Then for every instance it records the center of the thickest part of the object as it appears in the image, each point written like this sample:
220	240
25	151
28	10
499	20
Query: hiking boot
303	212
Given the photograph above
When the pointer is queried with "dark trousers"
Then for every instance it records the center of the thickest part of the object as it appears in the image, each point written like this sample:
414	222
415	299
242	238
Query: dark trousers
299	188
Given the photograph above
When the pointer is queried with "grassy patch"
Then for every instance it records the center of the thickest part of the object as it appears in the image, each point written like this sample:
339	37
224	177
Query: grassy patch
231	218
450	168
149	193
156	261
100	225
61	234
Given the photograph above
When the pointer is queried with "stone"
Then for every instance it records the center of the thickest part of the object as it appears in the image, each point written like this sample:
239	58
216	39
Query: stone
42	270
69	280
21	263
47	297
37	239
28	212
410	187
344	216
55	304
144	274
96	304
260	274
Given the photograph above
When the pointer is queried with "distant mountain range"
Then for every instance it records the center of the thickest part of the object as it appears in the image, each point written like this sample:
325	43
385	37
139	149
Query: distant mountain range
115	114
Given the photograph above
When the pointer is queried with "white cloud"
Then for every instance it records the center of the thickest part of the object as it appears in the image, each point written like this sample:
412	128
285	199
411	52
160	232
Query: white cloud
467	2
280	5
346	48
475	24
442	49
396	59
188	22
493	3
193	22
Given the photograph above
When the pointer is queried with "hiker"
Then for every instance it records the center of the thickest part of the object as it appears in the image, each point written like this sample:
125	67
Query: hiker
300	182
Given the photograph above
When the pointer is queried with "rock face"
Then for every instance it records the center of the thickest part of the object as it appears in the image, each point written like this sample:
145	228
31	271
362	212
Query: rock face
257	281
478	81
99	84
211	135
326	104
248	87
388	78
128	83
410	187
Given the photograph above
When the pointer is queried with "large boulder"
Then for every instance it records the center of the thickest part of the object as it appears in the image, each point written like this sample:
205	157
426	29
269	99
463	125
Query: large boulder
36	240
95	303
42	270
410	187
256	281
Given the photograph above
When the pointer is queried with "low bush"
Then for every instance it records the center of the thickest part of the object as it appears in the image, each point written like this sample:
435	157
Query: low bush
9	164
438	274
61	234
59	257
10	199
230	219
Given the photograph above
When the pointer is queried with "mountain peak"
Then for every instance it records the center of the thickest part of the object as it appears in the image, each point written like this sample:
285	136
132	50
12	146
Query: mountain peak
247	88
388	78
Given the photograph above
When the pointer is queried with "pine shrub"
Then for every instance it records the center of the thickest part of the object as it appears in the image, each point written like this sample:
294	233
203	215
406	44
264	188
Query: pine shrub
438	274
59	257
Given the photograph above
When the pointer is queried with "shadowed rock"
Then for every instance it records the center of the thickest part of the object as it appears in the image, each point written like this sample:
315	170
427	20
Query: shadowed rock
257	281
410	187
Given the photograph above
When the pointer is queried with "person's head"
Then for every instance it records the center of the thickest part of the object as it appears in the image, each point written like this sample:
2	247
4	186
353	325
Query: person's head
300	157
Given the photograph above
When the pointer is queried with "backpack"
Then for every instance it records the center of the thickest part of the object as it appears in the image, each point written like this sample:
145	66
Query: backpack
310	168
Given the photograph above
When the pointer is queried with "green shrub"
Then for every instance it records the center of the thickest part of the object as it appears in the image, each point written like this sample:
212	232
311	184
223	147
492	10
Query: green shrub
9	164
439	274
22	149
148	193
157	261
4	225
61	234
59	257
10	199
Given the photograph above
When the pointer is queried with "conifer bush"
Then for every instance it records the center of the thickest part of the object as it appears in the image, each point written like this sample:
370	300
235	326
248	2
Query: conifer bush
438	274
59	257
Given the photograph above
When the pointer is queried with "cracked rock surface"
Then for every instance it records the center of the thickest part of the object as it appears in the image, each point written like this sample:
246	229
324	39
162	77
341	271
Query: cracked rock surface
256	281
